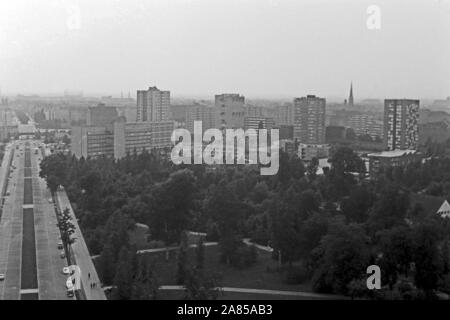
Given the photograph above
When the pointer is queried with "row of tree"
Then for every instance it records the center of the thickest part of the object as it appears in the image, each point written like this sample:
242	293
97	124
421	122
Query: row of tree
324	228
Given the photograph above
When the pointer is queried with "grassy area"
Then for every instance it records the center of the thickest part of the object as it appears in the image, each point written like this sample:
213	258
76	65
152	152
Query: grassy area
261	275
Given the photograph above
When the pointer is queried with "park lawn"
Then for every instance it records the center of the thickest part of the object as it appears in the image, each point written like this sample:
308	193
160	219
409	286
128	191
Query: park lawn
261	275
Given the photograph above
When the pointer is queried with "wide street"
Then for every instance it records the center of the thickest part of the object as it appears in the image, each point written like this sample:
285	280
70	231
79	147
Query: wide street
29	254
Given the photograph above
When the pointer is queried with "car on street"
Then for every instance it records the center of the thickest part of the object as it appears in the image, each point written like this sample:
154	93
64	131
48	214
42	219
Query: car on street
70	293
69	283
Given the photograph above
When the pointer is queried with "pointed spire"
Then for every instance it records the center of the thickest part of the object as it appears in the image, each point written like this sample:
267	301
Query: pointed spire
350	98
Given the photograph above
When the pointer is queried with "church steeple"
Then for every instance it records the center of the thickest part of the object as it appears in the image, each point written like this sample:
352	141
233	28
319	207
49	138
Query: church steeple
350	98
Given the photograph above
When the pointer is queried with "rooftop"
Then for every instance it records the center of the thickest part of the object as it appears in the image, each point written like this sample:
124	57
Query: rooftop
392	153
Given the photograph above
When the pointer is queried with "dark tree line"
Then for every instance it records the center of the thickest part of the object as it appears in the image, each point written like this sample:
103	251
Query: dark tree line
323	228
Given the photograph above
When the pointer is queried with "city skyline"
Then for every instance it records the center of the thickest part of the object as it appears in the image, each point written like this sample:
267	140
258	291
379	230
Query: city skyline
307	48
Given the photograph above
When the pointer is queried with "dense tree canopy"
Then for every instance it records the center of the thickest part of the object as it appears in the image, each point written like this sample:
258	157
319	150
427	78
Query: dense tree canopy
331	226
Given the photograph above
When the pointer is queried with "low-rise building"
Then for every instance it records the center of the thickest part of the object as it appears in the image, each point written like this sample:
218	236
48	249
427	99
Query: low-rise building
91	141
307	152
94	141
393	158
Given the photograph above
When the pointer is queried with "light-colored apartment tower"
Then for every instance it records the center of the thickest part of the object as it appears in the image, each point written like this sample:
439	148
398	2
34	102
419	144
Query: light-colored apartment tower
309	121
401	118
152	105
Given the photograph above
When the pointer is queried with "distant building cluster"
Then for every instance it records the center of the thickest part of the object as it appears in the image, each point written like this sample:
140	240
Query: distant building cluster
9	125
389	132
107	133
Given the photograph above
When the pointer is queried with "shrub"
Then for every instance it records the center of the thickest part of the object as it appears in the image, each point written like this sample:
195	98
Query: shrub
444	283
295	274
244	257
357	288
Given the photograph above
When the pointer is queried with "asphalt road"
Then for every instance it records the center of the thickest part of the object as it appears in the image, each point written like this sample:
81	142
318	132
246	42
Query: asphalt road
29	256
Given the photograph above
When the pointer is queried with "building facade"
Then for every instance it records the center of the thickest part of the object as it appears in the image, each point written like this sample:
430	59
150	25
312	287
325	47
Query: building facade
309	123
101	115
401	124
230	111
153	105
258	123
284	115
91	141
203	113
307	152
94	141
395	158
364	124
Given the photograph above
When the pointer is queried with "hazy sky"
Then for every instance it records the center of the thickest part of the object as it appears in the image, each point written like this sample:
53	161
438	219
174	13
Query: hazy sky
263	48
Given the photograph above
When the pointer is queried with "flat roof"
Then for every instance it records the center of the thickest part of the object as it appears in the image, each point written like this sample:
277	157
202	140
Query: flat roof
392	153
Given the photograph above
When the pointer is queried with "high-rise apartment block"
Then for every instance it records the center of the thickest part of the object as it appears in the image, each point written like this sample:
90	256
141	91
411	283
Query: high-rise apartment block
200	112
309	123
153	105
230	111
101	115
401	124
285	115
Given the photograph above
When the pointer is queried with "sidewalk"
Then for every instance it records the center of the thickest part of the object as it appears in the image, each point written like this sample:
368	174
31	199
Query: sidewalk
303	294
81	253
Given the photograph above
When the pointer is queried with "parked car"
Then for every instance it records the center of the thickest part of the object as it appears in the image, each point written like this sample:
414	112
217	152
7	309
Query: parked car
66	270
2	277
69	283
70	293
62	254
60	245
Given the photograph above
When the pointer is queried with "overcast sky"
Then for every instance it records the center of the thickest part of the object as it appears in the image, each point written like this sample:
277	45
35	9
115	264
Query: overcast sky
267	48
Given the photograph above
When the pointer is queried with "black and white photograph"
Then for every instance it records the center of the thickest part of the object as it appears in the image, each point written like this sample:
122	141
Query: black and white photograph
228	156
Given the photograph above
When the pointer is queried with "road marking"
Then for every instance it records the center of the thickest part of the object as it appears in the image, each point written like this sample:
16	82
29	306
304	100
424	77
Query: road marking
27	291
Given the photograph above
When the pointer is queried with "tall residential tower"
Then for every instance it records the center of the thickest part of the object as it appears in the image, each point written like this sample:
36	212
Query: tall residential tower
153	105
401	118
309	123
